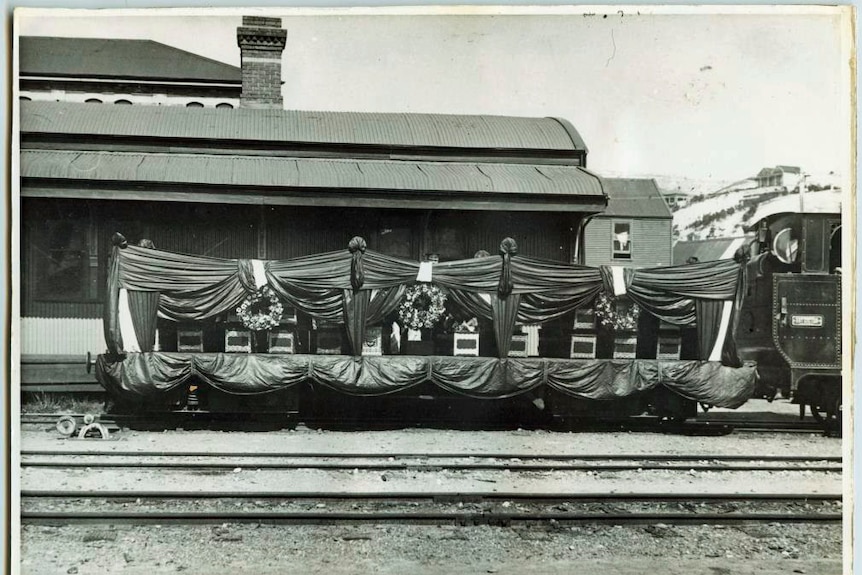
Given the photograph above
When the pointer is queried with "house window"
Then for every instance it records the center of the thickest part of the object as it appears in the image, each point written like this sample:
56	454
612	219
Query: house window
621	241
194	105
123	103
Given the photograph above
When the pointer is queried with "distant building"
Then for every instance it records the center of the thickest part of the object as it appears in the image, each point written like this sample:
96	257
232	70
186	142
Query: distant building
635	229
123	72
675	200
786	176
706	250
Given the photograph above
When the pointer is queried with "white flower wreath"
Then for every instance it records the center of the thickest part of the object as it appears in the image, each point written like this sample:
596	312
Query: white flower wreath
610	315
260	310
422	307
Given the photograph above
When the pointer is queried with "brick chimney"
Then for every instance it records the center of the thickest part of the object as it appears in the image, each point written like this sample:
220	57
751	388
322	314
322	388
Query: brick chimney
261	41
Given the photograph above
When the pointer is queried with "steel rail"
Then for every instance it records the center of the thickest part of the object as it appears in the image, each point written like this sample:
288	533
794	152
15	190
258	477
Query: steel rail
431	495
415	455
459	517
395	466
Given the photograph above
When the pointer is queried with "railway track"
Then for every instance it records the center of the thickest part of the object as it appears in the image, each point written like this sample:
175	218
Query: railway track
200	460
486	508
705	425
470	489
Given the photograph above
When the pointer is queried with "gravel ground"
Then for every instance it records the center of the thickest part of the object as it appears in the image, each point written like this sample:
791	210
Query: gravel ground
418	550
396	549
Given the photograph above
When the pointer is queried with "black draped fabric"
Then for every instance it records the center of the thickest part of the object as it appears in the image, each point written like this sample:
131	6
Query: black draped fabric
708	322
384	302
690	295
714	280
355	312
111	319
192	288
144	307
195	288
669	292
471	304
730	352
543	307
505	312
152	374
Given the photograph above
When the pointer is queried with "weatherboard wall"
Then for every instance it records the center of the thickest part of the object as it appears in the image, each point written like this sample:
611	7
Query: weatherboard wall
650	242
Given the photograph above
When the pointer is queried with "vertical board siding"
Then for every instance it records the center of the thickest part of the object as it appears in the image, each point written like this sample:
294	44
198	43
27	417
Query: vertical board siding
207	230
545	236
61	336
80	310
651	242
292	232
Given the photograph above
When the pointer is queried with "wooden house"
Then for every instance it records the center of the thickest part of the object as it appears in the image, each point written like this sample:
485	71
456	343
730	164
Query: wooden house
634	230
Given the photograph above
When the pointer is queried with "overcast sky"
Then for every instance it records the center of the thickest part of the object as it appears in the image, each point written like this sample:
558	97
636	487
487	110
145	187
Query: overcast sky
698	95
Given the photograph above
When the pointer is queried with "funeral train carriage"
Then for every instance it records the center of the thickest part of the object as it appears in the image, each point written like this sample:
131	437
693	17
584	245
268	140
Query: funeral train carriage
264	247
354	290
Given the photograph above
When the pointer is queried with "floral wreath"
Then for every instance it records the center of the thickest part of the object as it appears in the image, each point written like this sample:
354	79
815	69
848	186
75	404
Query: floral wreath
260	310
422	307
610	316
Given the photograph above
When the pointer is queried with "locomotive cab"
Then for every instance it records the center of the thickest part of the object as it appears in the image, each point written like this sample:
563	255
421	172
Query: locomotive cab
790	323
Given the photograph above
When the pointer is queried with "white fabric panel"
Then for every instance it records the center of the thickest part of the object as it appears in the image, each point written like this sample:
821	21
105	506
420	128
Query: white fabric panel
127	329
425	272
532	332
486	297
619	280
259	273
726	309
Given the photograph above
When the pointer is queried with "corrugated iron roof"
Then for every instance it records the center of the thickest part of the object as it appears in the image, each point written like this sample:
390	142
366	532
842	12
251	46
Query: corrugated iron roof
282	172
706	250
118	59
635	197
289	126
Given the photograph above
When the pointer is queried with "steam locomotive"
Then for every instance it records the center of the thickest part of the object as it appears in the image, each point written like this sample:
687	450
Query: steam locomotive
790	322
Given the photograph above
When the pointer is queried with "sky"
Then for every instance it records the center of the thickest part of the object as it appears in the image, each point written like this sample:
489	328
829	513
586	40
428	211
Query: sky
698	94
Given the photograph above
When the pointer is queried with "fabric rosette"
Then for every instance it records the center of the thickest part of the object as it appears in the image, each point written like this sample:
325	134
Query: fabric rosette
422	307
261	310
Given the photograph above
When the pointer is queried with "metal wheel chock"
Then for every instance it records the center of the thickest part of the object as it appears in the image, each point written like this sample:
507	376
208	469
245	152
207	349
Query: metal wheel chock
92	428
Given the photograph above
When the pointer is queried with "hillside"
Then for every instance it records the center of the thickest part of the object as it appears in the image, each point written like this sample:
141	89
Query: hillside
727	209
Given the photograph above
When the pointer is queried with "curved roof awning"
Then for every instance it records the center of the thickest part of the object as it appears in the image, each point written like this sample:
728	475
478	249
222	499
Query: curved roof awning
820	202
309	181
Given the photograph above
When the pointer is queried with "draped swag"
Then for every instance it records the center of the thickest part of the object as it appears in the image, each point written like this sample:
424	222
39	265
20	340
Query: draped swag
144	375
358	287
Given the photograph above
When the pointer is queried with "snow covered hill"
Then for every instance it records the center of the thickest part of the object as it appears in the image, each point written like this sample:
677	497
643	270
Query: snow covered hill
727	210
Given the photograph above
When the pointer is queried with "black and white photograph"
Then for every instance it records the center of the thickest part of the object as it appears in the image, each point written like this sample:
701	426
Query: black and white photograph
432	290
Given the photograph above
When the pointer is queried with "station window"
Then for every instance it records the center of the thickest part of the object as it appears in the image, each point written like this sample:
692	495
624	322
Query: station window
123	103
224	106
621	241
62	262
92	101
194	105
